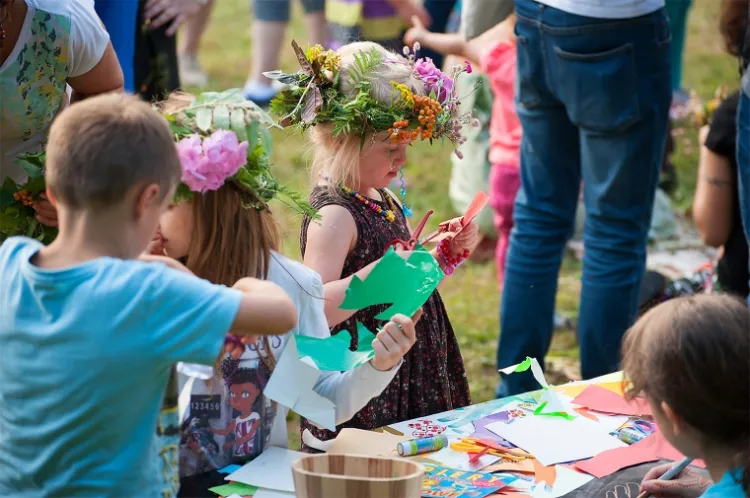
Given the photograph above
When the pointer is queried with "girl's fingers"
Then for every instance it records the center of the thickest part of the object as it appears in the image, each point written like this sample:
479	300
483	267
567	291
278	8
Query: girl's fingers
380	350
415	318
388	336
47	221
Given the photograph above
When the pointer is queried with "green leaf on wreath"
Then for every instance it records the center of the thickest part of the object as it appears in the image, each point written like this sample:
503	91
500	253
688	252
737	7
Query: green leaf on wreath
35	185
221	117
204	118
31	169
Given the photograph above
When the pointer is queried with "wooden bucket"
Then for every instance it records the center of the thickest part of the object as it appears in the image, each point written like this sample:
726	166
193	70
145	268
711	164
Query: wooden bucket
350	476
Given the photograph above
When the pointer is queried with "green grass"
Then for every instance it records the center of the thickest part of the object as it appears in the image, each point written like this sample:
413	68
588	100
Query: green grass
471	296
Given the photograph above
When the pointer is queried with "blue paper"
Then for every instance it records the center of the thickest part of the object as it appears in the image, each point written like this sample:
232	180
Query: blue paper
229	469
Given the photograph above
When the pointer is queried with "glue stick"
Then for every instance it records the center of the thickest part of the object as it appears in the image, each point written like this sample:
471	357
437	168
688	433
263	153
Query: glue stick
630	436
424	445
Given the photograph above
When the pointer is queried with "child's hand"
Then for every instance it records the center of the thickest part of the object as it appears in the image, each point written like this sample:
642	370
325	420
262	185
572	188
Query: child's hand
408	10
394	341
691	483
466	237
235	346
156	246
46	212
417	33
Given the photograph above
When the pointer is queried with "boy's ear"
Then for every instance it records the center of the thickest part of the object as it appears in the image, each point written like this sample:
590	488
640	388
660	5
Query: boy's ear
50	196
147	198
678	425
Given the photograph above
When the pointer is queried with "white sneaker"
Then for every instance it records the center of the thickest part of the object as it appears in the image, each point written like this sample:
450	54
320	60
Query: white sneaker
191	72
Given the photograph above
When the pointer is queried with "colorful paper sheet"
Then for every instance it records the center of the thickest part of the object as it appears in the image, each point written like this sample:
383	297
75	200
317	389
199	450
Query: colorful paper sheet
229	469
272	469
477	204
523	466
556	440
447	457
453	483
650	449
415	280
234	488
603	400
549	403
332	354
576	388
291	385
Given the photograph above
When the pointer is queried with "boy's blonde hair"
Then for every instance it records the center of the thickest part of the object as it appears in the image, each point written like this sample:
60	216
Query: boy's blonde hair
103	147
338	157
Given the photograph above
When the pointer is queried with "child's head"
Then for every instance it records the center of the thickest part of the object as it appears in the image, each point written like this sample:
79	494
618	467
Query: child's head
344	158
690	358
112	158
218	238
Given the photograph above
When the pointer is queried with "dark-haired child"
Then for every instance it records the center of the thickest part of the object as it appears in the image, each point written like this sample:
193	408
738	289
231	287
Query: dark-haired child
690	358
89	334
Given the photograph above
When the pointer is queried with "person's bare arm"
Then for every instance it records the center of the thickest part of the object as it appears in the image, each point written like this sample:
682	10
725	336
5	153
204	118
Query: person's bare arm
265	309
105	77
329	241
455	44
714	195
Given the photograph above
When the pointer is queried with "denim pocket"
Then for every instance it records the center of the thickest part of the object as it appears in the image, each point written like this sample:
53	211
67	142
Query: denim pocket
600	90
526	72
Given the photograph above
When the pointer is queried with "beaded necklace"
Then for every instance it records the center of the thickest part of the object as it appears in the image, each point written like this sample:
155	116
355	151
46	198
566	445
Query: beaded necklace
387	214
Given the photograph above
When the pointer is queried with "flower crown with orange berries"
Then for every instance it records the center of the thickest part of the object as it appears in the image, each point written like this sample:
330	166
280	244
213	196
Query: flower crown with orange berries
314	96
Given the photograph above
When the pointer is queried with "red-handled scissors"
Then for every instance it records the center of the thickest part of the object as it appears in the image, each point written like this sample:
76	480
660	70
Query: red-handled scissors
411	244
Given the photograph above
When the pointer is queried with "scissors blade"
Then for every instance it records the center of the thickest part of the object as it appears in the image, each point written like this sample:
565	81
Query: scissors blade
430	236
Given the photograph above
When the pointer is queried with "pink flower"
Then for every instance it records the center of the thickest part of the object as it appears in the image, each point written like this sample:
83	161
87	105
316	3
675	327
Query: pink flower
468	67
433	78
207	165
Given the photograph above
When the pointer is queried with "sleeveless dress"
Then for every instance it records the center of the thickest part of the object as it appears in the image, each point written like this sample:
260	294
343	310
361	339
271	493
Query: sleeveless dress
432	378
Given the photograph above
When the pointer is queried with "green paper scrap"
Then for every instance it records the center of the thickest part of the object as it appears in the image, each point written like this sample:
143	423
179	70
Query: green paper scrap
523	366
540	408
404	284
234	488
332	354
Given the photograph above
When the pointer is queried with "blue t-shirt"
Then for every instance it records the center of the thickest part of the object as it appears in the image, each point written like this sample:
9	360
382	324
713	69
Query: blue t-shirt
728	487
85	356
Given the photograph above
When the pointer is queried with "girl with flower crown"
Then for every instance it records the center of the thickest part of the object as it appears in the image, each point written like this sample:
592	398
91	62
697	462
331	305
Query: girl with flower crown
221	227
367	106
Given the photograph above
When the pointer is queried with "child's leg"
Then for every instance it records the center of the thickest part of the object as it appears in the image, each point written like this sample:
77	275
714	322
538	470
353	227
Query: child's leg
504	184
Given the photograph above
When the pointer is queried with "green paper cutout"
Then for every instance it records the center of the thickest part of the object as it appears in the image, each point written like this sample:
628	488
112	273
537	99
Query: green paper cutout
538	411
523	366
234	488
332	354
404	284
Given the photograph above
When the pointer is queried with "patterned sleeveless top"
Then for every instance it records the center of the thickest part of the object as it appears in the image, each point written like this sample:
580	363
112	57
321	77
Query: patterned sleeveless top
432	378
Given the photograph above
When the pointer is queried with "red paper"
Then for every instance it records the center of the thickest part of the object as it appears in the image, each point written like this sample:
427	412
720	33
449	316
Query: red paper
546	475
603	400
476	206
650	449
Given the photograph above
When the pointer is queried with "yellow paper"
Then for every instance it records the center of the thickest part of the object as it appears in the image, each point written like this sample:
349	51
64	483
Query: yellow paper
574	390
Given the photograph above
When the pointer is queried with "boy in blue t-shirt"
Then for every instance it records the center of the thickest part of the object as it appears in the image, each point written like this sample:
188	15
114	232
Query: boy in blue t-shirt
88	334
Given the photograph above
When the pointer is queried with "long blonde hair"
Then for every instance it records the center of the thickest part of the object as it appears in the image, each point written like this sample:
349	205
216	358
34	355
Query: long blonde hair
337	157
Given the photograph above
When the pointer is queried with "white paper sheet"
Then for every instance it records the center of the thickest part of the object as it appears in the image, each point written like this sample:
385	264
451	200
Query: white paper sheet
291	384
556	440
567	480
272	469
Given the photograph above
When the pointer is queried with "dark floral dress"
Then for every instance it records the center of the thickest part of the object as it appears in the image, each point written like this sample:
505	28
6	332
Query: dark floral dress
432	378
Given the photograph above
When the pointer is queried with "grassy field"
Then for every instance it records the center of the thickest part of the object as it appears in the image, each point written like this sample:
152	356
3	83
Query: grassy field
471	296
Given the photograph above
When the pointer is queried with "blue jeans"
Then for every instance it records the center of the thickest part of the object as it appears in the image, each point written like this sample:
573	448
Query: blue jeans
593	97
119	18
743	161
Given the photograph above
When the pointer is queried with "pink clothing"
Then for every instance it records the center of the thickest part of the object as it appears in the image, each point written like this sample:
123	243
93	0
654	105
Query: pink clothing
499	63
504	184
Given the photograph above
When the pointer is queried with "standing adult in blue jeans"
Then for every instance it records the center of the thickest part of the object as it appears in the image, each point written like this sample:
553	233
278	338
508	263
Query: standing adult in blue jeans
119	18
593	96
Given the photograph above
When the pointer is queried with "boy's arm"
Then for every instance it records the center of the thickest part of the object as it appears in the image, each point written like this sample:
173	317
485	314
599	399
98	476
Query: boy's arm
265	309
